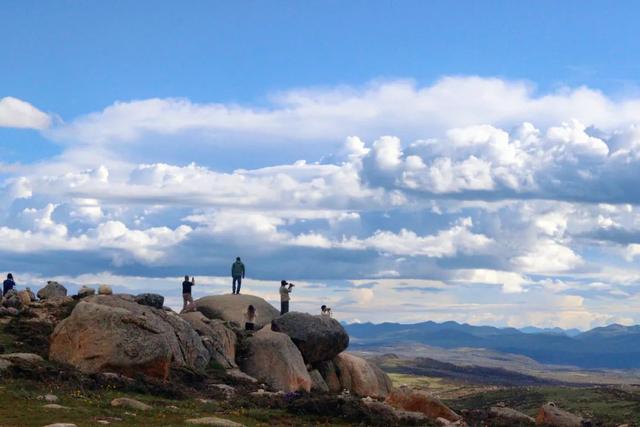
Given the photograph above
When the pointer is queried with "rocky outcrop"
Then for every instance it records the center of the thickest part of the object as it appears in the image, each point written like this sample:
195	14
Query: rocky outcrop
22	357
272	358
25	298
114	334
319	338
549	414
9	311
330	376
232	308
507	417
407	399
219	340
152	300
359	376
12	300
86	291
317	382
126	402
105	290
52	290
213	421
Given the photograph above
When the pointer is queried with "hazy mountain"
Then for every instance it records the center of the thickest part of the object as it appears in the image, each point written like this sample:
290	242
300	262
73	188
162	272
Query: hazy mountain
551	331
614	346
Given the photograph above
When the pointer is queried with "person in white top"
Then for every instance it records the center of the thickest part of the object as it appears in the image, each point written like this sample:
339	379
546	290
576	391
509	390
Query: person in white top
285	290
250	318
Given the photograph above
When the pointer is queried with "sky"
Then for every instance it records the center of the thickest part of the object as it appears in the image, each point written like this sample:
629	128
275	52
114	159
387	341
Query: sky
397	160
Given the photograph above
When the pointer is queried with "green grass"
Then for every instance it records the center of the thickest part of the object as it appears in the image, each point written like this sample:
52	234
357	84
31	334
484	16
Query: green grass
19	406
610	405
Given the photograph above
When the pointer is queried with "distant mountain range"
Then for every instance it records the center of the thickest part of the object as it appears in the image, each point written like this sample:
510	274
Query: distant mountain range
613	347
551	331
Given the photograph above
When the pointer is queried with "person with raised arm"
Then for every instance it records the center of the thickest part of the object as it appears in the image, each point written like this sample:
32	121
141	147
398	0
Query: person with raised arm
188	304
285	290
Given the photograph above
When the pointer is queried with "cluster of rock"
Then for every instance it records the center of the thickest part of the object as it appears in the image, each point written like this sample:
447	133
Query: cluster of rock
53	293
129	335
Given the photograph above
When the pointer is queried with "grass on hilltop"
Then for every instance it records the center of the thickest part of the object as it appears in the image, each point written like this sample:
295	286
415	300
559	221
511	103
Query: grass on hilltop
20	407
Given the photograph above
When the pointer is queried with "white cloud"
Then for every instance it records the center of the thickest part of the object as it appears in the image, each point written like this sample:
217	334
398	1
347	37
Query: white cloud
475	182
388	107
42	233
15	113
511	282
363	296
548	256
448	242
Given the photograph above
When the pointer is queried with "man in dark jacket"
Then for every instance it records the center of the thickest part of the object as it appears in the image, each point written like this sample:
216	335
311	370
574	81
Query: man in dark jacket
237	274
8	284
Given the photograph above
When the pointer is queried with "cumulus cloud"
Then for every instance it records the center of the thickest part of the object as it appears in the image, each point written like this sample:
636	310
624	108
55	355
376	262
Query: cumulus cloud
42	233
448	201
384	107
483	162
15	113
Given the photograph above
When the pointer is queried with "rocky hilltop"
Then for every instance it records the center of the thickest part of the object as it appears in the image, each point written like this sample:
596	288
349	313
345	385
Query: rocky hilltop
297	361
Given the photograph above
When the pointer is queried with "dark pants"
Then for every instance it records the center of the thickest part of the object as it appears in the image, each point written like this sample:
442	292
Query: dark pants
237	279
284	307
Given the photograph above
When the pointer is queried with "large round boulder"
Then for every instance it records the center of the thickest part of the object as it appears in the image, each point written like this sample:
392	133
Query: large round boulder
25	298
272	358
52	290
232	308
216	336
330	375
360	376
406	399
86	291
115	334
105	290
318	338
12	300
152	300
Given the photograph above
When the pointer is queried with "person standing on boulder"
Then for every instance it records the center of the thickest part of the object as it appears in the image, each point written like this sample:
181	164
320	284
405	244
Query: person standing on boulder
237	274
8	284
285	290
186	293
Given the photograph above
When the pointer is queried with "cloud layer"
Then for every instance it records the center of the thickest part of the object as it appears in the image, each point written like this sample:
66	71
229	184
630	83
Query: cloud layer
470	199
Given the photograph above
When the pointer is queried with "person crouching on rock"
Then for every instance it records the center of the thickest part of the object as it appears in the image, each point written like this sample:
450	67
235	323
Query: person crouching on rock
325	311
186	294
250	318
8	284
285	290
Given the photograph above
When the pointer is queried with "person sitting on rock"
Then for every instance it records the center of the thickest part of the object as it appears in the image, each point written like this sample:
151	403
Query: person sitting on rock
325	311
250	318
8	284
285	290
237	274
188	305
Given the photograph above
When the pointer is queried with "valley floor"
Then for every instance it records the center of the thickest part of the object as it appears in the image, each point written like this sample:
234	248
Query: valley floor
610	405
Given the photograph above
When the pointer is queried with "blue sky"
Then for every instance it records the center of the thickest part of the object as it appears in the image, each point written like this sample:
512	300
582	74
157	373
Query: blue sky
478	158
